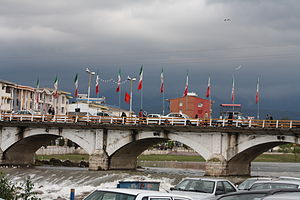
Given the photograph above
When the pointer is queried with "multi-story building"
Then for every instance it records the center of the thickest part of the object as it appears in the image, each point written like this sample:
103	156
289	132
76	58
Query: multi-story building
191	105
14	97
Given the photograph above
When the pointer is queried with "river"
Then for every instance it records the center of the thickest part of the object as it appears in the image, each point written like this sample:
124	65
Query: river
56	182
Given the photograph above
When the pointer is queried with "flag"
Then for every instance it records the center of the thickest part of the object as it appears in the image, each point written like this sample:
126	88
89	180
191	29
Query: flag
37	87
186	85
162	86
119	81
257	92
232	90
76	85
208	88
140	86
97	84
55	93
127	97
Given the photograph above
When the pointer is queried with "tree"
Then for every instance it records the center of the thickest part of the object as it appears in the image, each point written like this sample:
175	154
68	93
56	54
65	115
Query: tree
11	191
7	188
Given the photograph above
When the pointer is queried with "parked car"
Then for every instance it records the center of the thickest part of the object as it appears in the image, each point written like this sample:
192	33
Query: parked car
178	119
132	194
105	117
245	185
203	188
284	196
25	115
256	194
260	185
153	118
289	178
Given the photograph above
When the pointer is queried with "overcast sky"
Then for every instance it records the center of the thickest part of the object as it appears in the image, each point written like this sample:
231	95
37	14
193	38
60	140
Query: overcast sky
63	37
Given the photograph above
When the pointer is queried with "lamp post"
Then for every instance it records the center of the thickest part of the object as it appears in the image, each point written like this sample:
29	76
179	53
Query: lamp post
89	83
131	80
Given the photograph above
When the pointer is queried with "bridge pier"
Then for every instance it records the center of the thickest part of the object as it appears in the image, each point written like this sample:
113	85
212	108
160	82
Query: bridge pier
220	167
98	160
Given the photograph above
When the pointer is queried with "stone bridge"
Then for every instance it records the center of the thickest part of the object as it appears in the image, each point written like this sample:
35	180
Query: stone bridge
227	150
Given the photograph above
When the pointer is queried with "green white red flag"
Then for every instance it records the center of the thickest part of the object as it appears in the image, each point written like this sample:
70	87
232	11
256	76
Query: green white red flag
140	86
55	93
76	85
119	81
97	85
162	86
186	89
208	88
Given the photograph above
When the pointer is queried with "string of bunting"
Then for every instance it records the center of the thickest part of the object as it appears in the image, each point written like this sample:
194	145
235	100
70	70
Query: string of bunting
112	80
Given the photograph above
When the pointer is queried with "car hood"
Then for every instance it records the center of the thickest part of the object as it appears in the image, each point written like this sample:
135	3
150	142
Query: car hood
193	195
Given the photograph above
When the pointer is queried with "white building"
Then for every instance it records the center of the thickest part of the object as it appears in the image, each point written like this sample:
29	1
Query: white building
93	108
14	97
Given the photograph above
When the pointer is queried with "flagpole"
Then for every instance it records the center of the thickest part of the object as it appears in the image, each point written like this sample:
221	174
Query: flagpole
120	102
257	93
163	102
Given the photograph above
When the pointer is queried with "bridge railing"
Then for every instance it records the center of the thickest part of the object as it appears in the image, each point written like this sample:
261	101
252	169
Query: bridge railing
251	123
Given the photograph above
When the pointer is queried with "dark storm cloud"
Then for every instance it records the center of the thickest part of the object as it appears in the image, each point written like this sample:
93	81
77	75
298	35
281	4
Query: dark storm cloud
52	38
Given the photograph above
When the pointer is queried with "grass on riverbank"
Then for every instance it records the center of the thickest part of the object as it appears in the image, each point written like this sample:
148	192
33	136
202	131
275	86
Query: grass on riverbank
179	158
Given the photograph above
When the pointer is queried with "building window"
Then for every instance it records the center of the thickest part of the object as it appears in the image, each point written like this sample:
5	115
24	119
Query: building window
180	103
180	111
200	105
7	90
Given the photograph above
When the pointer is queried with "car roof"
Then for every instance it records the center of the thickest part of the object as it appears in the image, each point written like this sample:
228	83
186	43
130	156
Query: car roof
280	181
264	191
140	192
284	196
208	179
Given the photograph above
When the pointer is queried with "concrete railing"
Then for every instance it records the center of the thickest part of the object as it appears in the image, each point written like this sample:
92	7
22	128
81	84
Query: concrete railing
251	123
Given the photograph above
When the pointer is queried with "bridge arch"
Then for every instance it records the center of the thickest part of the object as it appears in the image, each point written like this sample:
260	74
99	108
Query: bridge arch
248	150
21	147
123	154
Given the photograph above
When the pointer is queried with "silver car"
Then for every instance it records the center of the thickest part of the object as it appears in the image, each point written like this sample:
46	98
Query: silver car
203	188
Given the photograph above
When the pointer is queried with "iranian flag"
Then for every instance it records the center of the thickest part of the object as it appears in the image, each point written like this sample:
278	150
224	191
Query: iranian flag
185	92
76	85
119	81
162	86
257	92
97	84
55	93
127	97
232	90
208	88
140	86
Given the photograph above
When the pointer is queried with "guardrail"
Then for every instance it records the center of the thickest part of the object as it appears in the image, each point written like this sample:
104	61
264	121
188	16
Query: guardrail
252	123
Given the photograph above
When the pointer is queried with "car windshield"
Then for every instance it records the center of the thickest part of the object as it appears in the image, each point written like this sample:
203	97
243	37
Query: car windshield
106	195
244	197
204	186
246	184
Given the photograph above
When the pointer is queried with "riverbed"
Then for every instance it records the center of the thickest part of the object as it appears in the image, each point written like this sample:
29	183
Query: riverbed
56	182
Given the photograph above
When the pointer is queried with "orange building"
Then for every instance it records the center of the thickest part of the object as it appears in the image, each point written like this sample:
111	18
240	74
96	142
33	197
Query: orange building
191	105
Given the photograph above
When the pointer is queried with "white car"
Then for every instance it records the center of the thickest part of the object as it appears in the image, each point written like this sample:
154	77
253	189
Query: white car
154	119
203	188
132	194
178	119
246	184
261	185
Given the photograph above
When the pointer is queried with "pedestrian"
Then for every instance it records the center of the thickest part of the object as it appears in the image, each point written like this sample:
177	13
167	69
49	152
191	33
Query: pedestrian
50	110
123	115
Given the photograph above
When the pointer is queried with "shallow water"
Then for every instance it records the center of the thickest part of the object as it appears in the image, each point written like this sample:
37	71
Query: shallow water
56	182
